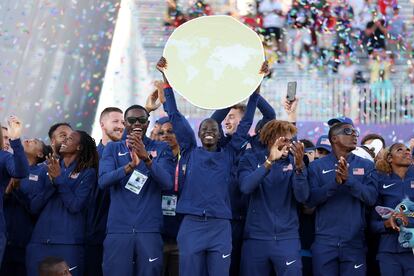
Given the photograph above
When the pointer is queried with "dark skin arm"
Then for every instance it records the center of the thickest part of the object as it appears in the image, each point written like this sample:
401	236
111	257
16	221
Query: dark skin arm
341	171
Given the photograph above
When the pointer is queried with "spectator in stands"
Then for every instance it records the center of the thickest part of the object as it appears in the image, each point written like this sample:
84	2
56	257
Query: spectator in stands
62	203
375	35
19	217
11	165
395	185
347	70
54	266
273	22
57	135
396	32
174	16
381	85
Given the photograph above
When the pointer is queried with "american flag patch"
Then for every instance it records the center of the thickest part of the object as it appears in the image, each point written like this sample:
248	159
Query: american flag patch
412	184
358	171
288	168
33	177
153	153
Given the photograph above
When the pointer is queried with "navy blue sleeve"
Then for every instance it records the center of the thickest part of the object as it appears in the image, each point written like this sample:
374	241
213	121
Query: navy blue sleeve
219	116
182	129
17	166
109	174
367	191
377	222
266	109
241	136
76	200
319	193
300	186
249	176
162	169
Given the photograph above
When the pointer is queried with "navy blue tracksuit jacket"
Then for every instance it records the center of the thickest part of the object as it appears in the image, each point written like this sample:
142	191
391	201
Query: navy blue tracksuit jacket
274	194
208	174
340	209
129	213
393	258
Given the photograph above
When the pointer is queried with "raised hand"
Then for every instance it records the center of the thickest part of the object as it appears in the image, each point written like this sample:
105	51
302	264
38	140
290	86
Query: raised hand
276	151
15	127
265	68
160	89
53	166
151	103
298	151
341	171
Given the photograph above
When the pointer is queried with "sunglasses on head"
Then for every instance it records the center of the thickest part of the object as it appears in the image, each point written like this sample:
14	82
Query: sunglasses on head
161	133
133	120
348	131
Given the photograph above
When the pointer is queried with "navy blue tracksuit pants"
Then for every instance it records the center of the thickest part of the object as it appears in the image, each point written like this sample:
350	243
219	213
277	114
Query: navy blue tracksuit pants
338	260
396	264
259	257
204	243
72	254
133	254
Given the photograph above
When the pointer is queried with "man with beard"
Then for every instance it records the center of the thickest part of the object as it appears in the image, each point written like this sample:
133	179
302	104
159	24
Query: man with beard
57	134
112	125
342	185
136	170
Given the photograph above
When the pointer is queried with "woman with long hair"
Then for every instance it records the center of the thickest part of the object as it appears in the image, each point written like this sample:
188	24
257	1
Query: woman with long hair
395	184
62	204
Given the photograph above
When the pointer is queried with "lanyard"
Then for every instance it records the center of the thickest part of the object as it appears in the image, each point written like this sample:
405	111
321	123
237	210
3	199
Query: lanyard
177	171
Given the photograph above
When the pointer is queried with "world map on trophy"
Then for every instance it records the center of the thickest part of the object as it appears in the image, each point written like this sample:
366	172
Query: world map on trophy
214	61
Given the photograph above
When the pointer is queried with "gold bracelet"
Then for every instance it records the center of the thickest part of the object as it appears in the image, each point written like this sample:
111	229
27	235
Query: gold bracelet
269	162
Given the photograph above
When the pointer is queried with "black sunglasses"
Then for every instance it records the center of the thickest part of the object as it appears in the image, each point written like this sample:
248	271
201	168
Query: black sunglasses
348	131
161	133
141	120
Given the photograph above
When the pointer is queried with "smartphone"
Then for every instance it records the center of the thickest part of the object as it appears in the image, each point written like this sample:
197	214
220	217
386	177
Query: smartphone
291	91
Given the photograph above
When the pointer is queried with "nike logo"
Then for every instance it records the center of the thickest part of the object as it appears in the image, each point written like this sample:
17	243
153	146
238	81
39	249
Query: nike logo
358	266
225	256
151	260
122	154
325	172
289	263
387	186
72	268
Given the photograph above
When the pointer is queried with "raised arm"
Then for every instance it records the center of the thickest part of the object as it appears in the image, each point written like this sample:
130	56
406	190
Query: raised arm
184	133
17	165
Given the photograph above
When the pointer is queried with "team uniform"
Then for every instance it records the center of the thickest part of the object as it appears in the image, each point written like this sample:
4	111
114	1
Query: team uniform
96	219
271	232
204	238
60	229
133	244
393	258
339	246
185	137
20	221
11	165
239	201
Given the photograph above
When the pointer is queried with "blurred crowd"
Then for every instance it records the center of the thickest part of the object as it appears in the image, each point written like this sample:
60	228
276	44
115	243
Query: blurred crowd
329	37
